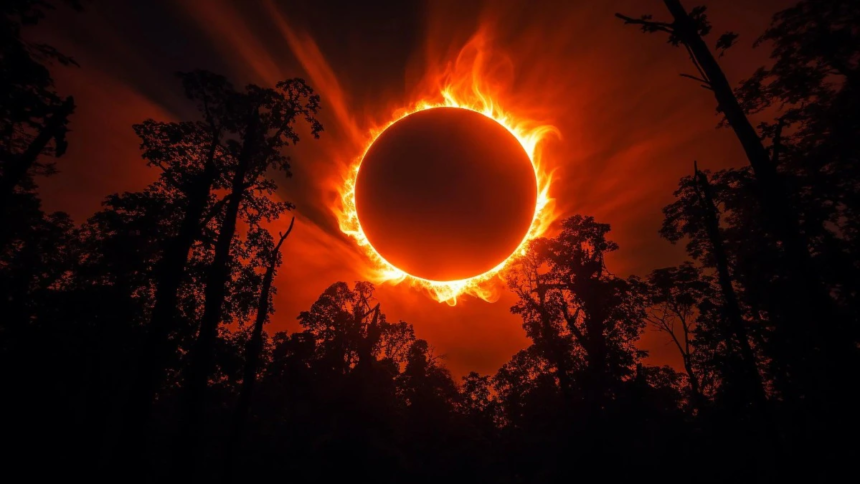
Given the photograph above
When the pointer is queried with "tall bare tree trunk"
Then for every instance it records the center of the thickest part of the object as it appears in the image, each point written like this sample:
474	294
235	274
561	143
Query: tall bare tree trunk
710	218
772	193
808	351
202	353
752	382
695	385
252	362
155	349
812	342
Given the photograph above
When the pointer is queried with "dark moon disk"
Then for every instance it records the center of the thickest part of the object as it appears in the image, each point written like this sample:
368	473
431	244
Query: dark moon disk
446	194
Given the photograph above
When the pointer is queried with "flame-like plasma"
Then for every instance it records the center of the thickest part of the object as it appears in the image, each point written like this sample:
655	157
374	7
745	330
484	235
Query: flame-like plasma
467	83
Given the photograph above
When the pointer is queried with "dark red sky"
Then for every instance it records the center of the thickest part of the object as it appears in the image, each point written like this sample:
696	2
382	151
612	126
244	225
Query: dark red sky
630	126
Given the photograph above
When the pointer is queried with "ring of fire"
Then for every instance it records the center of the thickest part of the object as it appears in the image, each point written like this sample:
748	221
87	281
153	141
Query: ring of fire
465	93
446	194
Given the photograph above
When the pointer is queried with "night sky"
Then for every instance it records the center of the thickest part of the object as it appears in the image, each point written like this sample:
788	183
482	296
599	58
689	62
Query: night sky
630	126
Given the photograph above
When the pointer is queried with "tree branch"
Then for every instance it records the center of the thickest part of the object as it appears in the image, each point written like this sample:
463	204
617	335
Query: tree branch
647	25
571	323
283	238
214	210
705	84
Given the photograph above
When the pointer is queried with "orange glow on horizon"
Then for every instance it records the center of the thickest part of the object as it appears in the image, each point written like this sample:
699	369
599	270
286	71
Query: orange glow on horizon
466	83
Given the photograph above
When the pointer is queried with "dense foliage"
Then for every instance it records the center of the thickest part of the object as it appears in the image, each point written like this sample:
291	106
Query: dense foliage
133	346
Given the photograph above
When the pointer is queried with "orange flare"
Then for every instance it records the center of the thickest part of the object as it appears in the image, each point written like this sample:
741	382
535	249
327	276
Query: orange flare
466	84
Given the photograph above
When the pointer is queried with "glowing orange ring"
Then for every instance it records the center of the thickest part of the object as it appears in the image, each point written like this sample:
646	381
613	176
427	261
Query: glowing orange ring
529	135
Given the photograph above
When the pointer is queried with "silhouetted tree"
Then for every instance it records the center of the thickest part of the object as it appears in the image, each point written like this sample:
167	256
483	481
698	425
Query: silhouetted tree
430	395
583	373
263	123
139	337
804	289
812	87
253	350
784	218
710	220
361	413
192	158
33	116
572	305
675	298
808	96
688	29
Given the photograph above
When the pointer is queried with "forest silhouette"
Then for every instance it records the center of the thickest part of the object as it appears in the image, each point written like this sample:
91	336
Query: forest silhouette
133	346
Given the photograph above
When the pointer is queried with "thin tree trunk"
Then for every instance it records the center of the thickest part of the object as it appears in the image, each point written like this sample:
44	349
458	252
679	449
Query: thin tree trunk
252	362
16	167
155	350
753	382
202	353
365	349
695	386
730	298
555	354
772	193
695	383
812	343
